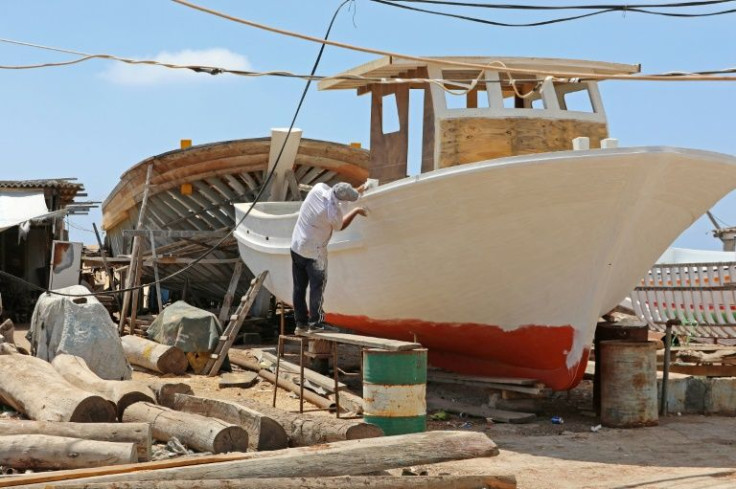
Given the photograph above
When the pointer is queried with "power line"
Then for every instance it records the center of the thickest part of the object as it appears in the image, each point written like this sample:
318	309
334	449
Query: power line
624	8
494	65
600	11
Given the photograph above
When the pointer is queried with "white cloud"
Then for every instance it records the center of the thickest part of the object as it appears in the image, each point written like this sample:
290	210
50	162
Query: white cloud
128	74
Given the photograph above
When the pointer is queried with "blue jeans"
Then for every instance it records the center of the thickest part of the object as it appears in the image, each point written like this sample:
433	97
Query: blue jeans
304	272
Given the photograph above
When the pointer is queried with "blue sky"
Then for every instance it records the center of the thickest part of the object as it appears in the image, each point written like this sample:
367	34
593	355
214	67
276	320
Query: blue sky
96	119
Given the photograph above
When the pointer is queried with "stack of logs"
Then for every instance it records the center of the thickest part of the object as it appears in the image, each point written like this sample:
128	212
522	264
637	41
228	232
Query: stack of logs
98	433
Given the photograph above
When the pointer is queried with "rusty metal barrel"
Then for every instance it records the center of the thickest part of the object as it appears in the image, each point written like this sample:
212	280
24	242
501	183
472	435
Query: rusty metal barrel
394	390
629	384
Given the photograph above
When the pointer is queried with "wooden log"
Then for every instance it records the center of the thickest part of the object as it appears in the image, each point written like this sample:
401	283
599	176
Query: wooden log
44	452
306	429
31	386
497	415
154	356
341	482
165	391
352	457
301	429
122	393
264	432
137	433
197	432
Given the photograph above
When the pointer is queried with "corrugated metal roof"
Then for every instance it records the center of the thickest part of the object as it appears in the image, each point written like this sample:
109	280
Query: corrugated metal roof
46	183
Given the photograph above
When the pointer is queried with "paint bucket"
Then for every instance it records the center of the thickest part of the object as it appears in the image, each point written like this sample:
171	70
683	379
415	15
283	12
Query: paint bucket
394	390
629	384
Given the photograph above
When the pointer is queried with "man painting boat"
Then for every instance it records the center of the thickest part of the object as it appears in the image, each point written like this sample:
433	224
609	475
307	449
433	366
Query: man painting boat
319	216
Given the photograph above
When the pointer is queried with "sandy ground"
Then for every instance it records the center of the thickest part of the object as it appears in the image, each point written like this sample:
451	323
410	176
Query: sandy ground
690	452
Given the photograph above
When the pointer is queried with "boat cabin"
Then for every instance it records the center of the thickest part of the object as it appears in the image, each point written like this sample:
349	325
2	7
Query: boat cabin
505	107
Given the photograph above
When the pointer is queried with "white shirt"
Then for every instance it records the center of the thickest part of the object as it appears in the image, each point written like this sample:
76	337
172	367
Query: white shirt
319	216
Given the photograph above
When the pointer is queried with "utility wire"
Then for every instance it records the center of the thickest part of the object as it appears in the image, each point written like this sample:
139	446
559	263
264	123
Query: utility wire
494	65
623	8
626	9
216	70
212	248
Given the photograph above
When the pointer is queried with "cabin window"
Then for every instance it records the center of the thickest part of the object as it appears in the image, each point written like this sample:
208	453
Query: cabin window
537	103
577	100
390	122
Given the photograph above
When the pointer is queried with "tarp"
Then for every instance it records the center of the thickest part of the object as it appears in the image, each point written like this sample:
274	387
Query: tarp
18	206
78	326
186	327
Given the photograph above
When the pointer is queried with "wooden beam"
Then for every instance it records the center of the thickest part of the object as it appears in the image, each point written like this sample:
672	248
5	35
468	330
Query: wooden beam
155	273
135	252
176	233
366	341
228	299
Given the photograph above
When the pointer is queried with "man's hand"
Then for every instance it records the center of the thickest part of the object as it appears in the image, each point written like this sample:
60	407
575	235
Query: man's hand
362	211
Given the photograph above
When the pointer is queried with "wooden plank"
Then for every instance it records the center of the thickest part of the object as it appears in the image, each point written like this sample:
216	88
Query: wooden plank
473	139
704	370
366	341
239	379
536	390
449	376
497	415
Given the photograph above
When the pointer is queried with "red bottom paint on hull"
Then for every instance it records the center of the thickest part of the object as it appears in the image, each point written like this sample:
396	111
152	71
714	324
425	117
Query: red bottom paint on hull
537	352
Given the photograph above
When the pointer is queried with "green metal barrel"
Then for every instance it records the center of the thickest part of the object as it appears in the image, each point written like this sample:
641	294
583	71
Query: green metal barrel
394	390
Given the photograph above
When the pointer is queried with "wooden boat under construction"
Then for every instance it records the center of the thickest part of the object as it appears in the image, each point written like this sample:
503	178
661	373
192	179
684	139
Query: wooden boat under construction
517	236
189	203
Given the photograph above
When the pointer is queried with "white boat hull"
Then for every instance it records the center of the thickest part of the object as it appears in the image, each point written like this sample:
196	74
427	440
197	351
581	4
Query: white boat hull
501	267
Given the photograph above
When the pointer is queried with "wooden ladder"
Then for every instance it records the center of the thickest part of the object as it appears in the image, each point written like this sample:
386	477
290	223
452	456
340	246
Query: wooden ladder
213	365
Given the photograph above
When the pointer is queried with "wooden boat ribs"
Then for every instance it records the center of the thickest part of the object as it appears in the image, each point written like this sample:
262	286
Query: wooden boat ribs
194	189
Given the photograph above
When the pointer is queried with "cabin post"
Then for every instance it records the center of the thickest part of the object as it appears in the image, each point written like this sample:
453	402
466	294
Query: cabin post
389	152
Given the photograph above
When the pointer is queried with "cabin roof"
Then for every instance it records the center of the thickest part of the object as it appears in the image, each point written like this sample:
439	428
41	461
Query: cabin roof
394	67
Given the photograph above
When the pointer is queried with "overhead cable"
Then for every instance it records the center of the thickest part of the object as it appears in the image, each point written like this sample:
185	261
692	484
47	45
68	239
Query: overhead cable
494	65
625	9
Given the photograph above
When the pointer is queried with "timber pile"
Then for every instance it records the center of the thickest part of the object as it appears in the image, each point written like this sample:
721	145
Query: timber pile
330	460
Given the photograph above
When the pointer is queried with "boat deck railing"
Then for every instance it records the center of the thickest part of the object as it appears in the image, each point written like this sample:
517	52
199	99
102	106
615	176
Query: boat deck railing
702	296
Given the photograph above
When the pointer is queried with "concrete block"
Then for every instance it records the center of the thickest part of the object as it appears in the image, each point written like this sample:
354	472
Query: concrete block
721	398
